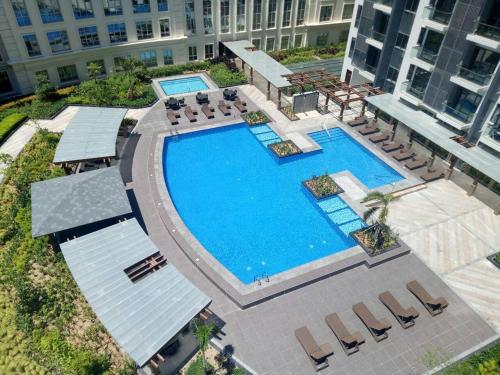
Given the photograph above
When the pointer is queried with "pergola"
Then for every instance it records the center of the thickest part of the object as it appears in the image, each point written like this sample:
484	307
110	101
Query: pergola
333	88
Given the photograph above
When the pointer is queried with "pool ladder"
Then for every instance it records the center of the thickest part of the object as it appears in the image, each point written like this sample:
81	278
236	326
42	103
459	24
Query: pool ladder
259	278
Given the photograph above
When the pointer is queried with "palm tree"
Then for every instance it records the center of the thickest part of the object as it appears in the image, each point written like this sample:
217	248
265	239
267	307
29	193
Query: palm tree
203	333
382	206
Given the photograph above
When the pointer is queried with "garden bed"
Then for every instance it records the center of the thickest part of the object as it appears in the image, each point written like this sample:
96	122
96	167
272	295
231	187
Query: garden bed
284	149
495	259
364	239
225	77
9	124
255	118
288	112
322	186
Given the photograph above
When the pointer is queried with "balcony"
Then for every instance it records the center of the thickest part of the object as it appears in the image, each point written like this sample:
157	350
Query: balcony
461	114
384	6
378	36
415	91
369	68
487	31
437	15
425	55
474	75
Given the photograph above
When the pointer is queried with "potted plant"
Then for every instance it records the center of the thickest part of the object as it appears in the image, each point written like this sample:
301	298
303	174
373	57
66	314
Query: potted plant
255	118
322	186
284	149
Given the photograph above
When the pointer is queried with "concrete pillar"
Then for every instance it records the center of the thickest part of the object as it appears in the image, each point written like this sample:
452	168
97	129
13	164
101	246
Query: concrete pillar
251	75
376	113
473	187
394	127
279	98
268	96
342	107
449	171
363	109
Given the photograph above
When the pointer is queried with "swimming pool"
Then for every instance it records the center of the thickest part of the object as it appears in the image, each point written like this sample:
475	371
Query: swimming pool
183	85
250	211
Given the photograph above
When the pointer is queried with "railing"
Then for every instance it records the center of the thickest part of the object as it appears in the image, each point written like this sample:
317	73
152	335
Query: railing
487	31
464	116
377	36
413	91
370	69
424	54
494	133
437	15
470	75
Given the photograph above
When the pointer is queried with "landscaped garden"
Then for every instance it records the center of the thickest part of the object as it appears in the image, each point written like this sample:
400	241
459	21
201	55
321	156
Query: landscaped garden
485	363
306	54
322	186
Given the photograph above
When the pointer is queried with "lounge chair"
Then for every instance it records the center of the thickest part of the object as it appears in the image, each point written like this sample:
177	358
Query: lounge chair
224	108
241	106
358	121
190	114
172	117
376	327
435	306
207	111
432	176
415	164
403	155
369	129
405	317
391	146
379	138
318	354
349	342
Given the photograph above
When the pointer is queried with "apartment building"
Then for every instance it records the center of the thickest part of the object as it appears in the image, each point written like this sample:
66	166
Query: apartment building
61	37
439	56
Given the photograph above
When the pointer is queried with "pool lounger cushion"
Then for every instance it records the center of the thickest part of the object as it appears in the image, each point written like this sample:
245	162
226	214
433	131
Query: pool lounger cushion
241	106
190	114
224	108
367	130
403	155
379	138
432	176
318	354
405	317
358	122
349	341
435	306
207	111
415	164
391	146
377	327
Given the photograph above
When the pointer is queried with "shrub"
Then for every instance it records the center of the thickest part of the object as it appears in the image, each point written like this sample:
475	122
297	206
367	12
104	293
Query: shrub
45	89
479	362
9	124
224	77
170	70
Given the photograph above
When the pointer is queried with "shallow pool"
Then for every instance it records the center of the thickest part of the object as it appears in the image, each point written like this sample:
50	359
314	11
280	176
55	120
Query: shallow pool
250	211
183	85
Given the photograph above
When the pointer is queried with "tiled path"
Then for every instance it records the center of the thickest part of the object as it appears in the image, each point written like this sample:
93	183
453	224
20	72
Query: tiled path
453	233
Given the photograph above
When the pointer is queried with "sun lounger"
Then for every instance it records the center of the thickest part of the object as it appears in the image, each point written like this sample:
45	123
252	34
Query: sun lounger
349	342
316	353
415	164
190	114
207	111
432	176
379	138
405	317
241	106
376	327
358	121
172	117
433	305
391	146
224	108
367	130
403	155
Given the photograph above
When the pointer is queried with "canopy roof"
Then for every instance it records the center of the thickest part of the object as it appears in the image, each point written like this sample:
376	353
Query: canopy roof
260	61
71	201
428	127
141	316
90	134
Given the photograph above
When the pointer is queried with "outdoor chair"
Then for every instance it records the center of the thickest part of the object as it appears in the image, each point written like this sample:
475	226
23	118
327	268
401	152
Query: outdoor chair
432	176
371	128
379	138
207	111
403	155
391	146
318	354
415	164
349	341
405	317
377	327
190	114
224	108
241	106
435	306
358	121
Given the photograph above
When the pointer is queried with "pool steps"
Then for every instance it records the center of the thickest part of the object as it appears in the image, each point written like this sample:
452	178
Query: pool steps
339	213
264	134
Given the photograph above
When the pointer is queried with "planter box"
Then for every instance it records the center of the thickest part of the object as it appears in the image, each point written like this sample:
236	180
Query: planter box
491	258
367	249
293	149
265	119
319	196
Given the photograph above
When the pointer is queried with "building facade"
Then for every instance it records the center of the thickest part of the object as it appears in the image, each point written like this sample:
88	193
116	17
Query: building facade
61	37
440	56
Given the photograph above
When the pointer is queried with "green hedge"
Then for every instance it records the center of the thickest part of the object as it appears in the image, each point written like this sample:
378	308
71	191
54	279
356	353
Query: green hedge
171	70
310	53
9	123
224	77
471	365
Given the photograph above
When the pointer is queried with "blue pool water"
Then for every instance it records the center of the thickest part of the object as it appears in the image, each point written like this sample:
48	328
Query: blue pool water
250	211
183	85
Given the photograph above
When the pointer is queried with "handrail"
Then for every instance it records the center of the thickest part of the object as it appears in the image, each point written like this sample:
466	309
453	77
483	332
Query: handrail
488	31
437	15
473	76
425	55
464	116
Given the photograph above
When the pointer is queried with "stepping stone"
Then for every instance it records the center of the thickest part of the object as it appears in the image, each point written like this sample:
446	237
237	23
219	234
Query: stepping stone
351	226
332	204
343	216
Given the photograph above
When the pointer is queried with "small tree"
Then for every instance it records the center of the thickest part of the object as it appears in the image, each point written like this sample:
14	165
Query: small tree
203	333
44	88
95	70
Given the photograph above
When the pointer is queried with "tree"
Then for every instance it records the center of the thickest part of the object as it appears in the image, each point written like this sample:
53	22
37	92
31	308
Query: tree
44	88
203	333
95	70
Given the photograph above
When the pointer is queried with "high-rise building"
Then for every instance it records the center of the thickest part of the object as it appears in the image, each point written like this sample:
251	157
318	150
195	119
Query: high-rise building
61	37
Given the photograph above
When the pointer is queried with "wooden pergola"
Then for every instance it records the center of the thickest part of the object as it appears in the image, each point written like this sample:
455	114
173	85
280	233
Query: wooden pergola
333	88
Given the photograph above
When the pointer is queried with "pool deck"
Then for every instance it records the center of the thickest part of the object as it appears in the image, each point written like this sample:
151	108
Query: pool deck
262	335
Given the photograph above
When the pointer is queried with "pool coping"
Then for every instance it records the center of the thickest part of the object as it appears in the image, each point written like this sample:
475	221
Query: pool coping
212	87
247	295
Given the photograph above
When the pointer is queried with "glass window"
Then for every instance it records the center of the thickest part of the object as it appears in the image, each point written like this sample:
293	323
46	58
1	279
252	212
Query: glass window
271	14
117	33
113	7
89	36
207	17
347	11
257	15
190	16
193	54
240	15
358	15
301	11
401	40
32	45
162	5
67	73
144	30
256	43
168	57
287	13
141	6
285	41
22	16
58	41
148	58
297	41
351	47
392	74
224	16
325	13
5	85
82	9
118	60
50	11
322	39
209	51
269	44
102	68
411	5
165	28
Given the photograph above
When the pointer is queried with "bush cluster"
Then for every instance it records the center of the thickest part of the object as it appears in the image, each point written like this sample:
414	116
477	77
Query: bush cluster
171	70
225	77
305	54
9	123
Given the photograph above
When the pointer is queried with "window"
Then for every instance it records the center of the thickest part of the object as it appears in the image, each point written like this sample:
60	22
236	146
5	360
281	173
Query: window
102	68
207	17
89	36
113	7
5	85
168	57
193	54
240	15
392	74
351	47
141	6
322	39
401	40
298	41
358	15
269	44
256	43
165	28
144	30
301	11
257	15
119	60
209	51
190	16
287	13
58	41
347	11
117	33
325	13
224	16
22	16
271	14
148	58
50	11
162	5
82	9
32	45
285	41
67	73
411	5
